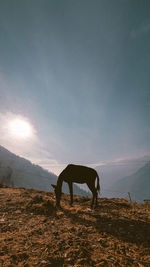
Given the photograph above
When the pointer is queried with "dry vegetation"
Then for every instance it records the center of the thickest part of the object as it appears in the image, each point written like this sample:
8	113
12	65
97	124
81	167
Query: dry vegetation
34	233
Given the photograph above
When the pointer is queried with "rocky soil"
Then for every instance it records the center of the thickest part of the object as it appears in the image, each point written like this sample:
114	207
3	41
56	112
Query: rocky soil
34	233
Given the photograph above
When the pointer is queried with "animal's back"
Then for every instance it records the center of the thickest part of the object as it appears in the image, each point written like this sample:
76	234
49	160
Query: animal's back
78	173
79	169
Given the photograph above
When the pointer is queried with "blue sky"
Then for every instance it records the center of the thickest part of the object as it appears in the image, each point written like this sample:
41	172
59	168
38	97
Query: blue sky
78	71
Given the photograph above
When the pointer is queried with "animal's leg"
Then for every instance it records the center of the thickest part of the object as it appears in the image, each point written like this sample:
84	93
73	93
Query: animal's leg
92	188
96	197
71	193
92	203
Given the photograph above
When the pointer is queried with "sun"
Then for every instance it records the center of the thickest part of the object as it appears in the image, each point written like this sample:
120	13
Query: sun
20	128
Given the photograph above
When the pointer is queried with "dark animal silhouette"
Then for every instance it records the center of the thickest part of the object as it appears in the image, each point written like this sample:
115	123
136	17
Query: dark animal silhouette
77	174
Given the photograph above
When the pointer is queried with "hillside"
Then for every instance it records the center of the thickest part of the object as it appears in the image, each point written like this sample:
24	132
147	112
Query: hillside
112	173
26	174
138	183
34	233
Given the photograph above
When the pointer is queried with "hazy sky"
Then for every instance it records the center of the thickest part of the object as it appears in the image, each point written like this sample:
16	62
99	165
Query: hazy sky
79	72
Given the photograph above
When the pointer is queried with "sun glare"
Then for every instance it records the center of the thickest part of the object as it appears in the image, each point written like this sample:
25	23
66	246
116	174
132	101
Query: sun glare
20	128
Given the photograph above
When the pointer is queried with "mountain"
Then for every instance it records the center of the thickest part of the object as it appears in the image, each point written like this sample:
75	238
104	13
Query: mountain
111	174
19	172
138	184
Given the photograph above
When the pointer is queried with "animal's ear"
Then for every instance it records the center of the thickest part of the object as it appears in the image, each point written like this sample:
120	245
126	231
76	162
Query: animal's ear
53	185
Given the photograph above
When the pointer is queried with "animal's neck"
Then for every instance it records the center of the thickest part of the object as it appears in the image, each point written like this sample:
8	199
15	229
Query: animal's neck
59	182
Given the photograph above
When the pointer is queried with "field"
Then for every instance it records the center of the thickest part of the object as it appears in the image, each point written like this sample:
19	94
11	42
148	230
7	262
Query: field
34	233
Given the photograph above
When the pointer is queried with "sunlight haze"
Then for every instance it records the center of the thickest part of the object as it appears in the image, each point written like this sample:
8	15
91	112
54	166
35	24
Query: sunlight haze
20	128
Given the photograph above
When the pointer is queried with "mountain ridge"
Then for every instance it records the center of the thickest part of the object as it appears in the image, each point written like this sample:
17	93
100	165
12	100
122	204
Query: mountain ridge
138	183
27	174
112	173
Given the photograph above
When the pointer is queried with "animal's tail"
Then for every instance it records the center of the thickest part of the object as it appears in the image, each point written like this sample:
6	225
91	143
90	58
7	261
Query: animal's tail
98	184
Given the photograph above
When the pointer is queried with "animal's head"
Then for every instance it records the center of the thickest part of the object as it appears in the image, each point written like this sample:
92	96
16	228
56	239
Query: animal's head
57	194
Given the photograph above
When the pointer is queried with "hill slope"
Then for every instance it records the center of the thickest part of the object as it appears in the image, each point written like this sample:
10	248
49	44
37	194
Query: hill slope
28	175
111	173
34	233
138	183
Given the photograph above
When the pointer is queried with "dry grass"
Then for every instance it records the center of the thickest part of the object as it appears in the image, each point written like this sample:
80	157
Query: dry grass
34	233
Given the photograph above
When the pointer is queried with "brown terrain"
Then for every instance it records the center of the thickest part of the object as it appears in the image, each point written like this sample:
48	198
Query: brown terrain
34	233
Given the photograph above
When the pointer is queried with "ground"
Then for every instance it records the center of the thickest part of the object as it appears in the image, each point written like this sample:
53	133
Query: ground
34	233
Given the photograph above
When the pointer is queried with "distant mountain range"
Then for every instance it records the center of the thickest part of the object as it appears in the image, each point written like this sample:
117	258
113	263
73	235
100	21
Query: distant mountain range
19	172
138	184
111	176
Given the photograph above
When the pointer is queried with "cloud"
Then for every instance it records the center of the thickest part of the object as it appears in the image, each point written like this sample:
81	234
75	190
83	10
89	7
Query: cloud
143	28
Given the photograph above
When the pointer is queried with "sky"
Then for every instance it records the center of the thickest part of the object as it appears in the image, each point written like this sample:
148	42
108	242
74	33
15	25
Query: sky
77	71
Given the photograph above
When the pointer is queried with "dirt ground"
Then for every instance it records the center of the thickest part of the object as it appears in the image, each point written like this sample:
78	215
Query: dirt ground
34	233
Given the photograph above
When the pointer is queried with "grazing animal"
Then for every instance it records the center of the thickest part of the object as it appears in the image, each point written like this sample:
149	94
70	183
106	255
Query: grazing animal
77	174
